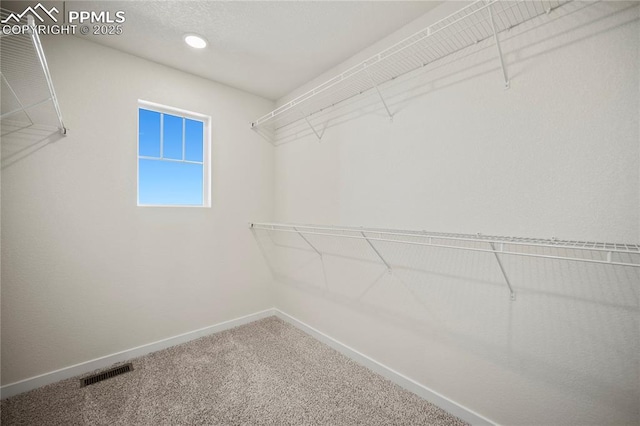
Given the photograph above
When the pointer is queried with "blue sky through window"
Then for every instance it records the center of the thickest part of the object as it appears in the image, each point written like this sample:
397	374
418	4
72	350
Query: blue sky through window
170	163
172	131
193	139
149	133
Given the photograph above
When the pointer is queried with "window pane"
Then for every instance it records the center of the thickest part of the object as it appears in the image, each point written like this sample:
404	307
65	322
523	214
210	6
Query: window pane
172	134
169	183
193	139
148	133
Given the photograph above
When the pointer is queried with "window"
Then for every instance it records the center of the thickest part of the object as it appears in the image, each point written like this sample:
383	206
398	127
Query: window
173	157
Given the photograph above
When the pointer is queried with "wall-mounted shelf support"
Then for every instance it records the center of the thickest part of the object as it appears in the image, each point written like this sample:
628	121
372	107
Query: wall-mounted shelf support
497	40
312	128
380	95
308	243
318	135
47	74
377	252
21	108
512	294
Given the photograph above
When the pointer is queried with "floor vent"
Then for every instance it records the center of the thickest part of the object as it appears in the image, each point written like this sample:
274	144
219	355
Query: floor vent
112	372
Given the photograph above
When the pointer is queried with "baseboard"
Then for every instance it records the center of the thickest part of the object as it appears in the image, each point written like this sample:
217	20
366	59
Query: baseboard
396	377
105	361
108	360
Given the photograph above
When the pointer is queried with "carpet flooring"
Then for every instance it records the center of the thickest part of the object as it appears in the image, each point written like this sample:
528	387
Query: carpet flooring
263	373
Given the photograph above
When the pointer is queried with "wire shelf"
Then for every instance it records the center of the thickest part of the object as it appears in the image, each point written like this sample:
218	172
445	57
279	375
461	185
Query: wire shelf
617	254
472	24
28	96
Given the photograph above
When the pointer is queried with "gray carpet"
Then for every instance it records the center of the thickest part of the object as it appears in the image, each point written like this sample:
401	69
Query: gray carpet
264	373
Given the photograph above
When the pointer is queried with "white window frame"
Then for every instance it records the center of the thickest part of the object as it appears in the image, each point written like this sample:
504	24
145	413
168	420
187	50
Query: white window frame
206	147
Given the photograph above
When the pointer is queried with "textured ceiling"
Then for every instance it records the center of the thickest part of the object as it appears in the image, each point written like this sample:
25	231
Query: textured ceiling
268	48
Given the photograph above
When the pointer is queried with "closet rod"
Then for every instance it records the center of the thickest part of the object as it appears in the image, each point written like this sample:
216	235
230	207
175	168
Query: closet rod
495	245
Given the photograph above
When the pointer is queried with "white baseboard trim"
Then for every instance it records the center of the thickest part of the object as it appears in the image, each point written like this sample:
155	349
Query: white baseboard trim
362	359
108	360
400	379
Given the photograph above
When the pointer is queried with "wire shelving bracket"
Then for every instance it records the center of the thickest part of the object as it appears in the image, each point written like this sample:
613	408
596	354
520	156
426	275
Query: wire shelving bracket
476	22
512	294
319	136
308	243
614	254
499	49
26	76
386	107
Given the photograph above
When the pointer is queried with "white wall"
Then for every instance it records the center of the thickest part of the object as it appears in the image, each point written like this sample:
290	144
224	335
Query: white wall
86	273
557	155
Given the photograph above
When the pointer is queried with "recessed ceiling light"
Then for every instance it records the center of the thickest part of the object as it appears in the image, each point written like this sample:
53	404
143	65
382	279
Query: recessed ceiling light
195	41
